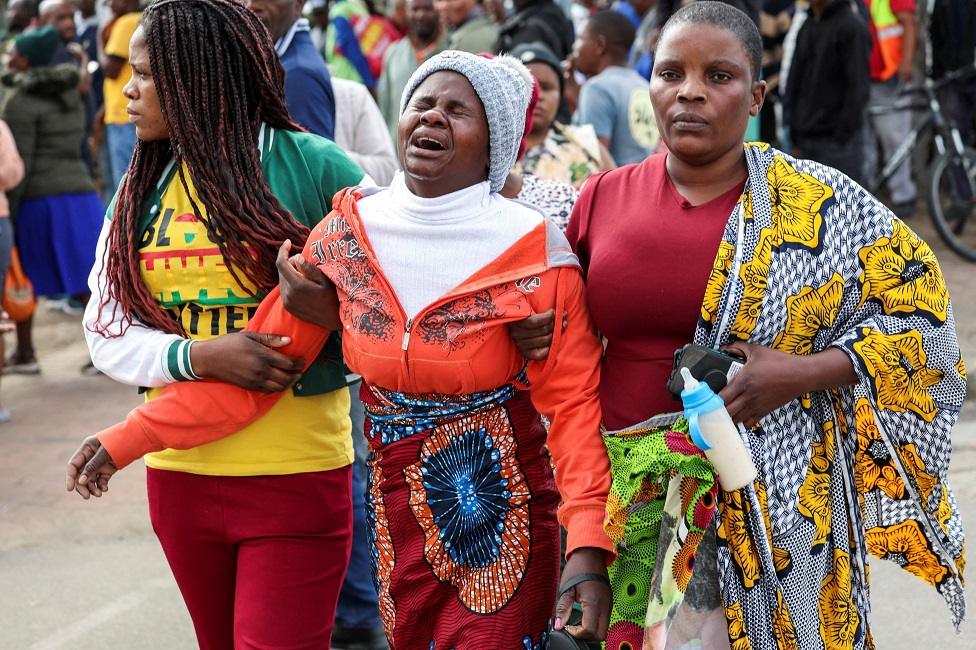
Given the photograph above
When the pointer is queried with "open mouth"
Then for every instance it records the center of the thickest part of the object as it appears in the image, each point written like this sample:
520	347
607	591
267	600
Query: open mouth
428	144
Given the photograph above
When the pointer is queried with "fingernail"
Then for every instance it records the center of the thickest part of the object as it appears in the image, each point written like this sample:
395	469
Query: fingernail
558	624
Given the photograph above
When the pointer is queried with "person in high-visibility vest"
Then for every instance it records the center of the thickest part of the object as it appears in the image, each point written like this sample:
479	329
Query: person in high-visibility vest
893	37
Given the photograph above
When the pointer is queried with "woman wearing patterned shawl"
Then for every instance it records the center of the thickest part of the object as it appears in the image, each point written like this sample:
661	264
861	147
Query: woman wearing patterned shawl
852	383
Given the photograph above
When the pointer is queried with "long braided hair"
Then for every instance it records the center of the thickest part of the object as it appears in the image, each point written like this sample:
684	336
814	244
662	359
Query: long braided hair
218	77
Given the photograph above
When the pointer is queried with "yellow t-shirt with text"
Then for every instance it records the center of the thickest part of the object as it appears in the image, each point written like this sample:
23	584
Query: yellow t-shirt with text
183	268
118	45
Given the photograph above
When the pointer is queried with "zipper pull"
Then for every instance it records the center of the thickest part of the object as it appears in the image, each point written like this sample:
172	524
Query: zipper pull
406	335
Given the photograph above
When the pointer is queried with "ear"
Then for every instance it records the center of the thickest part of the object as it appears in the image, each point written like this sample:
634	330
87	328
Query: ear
758	97
601	43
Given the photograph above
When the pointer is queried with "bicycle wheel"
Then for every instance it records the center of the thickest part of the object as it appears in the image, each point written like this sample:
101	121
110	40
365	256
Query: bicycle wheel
952	200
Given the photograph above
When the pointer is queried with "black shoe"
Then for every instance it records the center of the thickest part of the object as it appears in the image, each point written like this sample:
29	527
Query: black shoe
355	638
904	210
21	365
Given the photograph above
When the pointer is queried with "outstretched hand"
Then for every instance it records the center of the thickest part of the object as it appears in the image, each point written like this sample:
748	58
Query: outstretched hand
90	469
585	574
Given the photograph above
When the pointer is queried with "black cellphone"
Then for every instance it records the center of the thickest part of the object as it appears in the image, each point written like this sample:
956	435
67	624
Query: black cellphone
711	366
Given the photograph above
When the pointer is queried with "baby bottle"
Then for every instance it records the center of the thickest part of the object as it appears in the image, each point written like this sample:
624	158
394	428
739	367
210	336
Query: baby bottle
713	431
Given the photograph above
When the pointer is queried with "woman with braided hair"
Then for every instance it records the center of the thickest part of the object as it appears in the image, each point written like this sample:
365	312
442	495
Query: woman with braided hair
256	527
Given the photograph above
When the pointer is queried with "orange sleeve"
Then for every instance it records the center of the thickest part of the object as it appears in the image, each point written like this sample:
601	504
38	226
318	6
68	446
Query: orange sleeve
565	388
190	414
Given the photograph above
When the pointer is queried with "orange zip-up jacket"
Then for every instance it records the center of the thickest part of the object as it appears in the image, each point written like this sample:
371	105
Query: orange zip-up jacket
458	344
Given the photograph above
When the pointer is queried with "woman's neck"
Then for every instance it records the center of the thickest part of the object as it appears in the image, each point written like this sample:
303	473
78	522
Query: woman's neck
441	207
701	183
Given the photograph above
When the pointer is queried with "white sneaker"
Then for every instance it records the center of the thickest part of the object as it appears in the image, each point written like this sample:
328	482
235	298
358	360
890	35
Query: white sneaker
55	304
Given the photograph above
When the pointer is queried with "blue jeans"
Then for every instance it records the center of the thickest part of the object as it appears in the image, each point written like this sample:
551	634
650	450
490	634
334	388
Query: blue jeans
6	246
105	171
121	140
358	608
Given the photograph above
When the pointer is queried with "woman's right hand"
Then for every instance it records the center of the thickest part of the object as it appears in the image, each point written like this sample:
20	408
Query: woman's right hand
90	469
533	335
306	292
248	360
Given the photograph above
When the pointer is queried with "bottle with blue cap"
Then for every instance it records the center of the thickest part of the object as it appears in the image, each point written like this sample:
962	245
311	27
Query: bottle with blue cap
714	432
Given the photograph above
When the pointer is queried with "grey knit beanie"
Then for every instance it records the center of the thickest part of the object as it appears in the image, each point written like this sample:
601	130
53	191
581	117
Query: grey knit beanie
504	85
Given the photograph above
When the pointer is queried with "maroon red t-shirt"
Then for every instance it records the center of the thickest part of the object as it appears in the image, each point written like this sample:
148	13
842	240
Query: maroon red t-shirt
647	254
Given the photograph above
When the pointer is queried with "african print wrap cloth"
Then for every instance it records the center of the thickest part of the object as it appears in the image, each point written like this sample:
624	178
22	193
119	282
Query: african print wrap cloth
461	506
662	500
810	260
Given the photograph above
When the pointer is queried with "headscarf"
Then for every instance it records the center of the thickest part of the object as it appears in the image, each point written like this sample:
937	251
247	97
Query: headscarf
504	87
38	46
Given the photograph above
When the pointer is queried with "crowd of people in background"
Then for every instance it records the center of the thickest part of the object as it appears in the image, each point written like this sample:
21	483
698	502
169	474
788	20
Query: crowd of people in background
67	140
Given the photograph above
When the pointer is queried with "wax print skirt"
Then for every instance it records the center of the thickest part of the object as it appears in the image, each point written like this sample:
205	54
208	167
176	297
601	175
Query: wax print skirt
56	238
461	507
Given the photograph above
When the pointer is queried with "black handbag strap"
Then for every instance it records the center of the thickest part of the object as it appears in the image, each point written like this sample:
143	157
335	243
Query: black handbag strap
581	578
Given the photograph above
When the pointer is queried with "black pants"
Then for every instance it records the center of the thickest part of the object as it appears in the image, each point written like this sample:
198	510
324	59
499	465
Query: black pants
844	155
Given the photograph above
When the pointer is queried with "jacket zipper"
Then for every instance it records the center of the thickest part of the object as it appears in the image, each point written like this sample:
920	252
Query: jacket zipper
408	322
406	335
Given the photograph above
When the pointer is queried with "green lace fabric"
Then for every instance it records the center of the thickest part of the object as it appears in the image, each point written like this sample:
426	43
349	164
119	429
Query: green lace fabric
662	498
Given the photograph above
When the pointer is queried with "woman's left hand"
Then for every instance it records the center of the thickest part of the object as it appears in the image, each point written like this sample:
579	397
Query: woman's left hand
593	595
305	291
90	469
768	380
772	378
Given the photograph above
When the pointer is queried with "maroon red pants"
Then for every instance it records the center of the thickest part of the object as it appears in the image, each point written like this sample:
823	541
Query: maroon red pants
259	559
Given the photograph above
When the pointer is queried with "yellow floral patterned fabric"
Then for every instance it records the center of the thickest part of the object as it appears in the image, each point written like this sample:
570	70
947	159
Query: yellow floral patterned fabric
809	261
734	533
738	638
839	618
783	627
754	275
897	366
889	261
716	281
797	204
808	312
905	545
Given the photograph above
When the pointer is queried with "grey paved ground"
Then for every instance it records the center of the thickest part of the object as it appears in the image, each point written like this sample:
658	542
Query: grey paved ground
76	574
